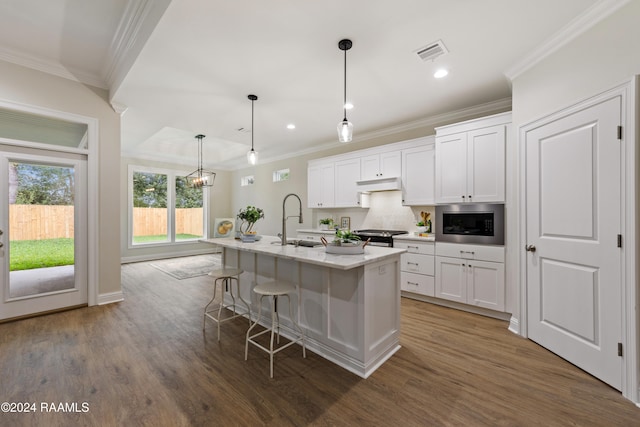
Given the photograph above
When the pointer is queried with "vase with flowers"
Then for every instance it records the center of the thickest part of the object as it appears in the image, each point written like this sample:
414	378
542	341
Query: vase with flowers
248	217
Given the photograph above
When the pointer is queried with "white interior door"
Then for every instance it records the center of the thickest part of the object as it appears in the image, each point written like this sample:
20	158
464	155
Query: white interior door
43	219
573	218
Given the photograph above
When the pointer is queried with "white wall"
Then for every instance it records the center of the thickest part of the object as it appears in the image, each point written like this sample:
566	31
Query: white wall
603	57
599	59
31	87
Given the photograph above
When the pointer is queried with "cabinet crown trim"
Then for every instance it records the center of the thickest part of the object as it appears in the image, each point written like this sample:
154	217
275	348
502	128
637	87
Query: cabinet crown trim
474	124
380	149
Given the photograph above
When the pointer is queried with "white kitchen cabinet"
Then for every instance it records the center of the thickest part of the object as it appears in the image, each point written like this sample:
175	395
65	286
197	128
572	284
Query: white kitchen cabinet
320	185
347	173
316	236
382	165
417	266
470	274
418	175
470	161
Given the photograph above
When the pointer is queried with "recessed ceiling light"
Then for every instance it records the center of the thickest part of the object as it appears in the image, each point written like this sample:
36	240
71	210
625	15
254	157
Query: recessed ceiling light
440	73
291	126
348	106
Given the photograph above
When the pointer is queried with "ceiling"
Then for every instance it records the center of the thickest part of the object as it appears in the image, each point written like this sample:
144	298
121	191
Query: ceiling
180	68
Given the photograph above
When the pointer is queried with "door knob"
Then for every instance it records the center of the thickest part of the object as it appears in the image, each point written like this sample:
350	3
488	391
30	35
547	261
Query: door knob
530	248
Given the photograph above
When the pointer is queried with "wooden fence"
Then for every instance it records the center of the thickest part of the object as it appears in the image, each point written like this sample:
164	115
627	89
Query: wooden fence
39	222
153	221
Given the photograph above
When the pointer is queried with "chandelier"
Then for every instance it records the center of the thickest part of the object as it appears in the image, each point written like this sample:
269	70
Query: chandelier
201	177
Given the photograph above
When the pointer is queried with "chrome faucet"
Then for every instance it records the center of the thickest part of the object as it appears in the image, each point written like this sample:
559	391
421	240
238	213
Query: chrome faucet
283	235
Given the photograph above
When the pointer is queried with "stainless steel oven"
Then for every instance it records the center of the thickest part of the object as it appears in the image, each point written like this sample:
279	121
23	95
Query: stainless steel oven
379	237
470	223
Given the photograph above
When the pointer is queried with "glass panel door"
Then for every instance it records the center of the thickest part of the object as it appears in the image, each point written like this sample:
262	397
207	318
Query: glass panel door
43	224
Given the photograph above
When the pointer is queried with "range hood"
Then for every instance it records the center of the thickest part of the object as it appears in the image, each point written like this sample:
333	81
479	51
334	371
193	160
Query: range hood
379	184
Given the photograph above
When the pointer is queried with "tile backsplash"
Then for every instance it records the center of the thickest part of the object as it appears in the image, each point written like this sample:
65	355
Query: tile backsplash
385	212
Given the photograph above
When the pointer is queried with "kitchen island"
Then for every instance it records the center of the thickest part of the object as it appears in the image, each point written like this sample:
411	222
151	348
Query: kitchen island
349	305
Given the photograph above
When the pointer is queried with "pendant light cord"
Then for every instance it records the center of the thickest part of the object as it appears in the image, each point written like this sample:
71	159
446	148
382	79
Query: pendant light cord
199	155
345	85
252	124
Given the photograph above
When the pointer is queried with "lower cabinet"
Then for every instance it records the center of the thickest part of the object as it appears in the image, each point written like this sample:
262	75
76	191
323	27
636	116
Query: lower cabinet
315	236
417	267
471	274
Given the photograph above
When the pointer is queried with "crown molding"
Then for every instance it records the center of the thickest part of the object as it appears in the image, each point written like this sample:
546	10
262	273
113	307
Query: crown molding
583	22
440	119
51	67
119	108
136	26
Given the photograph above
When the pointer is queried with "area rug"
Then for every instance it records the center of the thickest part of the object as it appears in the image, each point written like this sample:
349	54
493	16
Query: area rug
190	266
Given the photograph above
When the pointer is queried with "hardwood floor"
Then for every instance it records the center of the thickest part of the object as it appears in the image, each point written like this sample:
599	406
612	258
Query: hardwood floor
145	361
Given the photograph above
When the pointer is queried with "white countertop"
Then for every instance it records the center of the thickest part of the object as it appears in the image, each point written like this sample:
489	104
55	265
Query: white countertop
410	236
316	255
413	237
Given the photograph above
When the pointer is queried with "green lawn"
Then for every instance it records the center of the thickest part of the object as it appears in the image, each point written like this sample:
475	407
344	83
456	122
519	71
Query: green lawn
29	254
163	238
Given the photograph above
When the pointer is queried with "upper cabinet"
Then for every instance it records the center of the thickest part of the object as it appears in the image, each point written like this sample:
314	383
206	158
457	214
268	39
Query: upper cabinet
339	181
320	185
347	173
383	165
418	174
470	160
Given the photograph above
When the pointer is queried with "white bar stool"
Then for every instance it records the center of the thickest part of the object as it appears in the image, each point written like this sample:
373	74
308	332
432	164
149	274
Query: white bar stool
274	289
224	278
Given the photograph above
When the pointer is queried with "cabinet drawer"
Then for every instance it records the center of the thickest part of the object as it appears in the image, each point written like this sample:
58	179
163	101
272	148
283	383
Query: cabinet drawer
417	263
466	251
415	247
417	283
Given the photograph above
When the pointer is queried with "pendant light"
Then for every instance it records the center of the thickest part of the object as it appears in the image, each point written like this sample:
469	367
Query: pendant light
345	128
201	177
252	156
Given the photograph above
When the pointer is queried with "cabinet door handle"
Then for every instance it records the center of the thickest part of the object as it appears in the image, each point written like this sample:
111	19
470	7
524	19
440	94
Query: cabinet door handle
462	197
469	196
412	283
413	263
413	247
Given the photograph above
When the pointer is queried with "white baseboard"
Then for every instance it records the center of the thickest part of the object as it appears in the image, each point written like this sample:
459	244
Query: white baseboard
111	297
458	306
153	257
514	325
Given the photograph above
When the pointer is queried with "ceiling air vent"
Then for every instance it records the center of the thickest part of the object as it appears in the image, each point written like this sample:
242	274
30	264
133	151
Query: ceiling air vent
432	51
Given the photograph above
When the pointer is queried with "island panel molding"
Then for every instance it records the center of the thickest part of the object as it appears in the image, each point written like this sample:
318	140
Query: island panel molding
349	305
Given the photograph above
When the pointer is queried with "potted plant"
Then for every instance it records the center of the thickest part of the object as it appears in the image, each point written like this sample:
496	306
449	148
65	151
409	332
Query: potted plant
326	223
346	237
249	216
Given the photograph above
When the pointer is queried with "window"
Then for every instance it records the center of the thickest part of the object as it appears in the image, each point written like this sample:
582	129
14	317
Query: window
281	175
246	180
163	208
189	211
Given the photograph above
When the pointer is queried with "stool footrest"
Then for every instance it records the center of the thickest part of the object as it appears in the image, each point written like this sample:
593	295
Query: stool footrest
267	350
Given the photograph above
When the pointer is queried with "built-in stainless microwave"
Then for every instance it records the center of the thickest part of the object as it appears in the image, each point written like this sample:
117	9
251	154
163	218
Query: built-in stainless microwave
470	223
